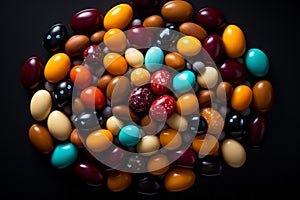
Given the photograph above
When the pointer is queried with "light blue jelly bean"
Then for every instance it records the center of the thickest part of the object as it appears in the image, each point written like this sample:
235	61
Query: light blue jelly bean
257	62
64	155
154	59
184	81
129	135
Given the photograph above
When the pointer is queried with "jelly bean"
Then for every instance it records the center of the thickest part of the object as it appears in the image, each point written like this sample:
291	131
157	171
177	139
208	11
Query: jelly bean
80	76
186	158
115	40
263	96
148	145
241	97
177	122
140	37
114	156
118	181
177	11
208	78
55	37
154	59
210	165
174	60
86	122
99	140
32	72
40	138
140	77
202	125
57	67
257	131
193	29
118	16
205	144
62	93
64	155
160	82
187	104
140	100
124	113
129	135
59	125
224	91
232	71
75	138
76	45
214	119
235	126
86	21
233	153
134	57
188	45
184	81
103	82
158	164
92	97
234	41
211	19
97	37
257	62
114	125
205	97
153	21
213	45
147	6
115	63
179	179
148	185
149	125
170	139
162	108
40	105
89	173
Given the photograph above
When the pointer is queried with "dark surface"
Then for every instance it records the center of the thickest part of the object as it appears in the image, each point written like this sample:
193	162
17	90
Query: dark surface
270	171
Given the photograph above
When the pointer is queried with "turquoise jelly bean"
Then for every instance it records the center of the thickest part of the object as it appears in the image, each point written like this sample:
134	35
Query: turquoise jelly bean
257	62
154	59
129	135
64	155
184	81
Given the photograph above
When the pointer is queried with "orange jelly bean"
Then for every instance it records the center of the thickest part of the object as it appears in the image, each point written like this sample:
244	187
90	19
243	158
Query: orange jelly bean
170	139
118	181
205	144
241	97
115	40
118	16
188	46
234	41
57	67
179	179
99	140
115	63
158	164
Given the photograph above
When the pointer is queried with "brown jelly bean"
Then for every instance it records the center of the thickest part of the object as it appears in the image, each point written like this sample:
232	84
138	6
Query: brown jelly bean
174	60
40	138
257	131
179	179
263	96
86	21
118	181
193	29
177	11
211	19
76	45
224	91
89	173
32	72
75	138
205	97
154	21
97	37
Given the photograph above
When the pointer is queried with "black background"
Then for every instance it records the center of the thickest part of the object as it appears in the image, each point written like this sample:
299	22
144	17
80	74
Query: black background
271	170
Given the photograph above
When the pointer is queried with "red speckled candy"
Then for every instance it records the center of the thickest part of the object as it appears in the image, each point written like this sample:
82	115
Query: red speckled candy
163	107
160	82
32	72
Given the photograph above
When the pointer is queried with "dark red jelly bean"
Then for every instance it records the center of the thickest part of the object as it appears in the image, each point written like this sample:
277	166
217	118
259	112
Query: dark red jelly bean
213	44
163	107
147	184
140	37
235	126
113	157
140	100
62	93
210	166
86	21
89	173
147	5
160	82
257	131
188	158
211	19
32	72
232	71
55	37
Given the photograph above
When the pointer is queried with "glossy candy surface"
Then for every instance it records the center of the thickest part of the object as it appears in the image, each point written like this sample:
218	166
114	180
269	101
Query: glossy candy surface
86	21
57	67
64	155
257	62
32	72
55	37
118	16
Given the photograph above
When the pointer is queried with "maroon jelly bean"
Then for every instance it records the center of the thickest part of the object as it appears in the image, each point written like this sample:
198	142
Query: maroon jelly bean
113	157
232	72
140	37
210	166
86	21
211	19
257	131
55	37
89	173
140	100
188	158
32	72
213	44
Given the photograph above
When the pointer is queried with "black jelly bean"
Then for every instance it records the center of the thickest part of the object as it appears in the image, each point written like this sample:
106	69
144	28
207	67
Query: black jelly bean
62	93
55	37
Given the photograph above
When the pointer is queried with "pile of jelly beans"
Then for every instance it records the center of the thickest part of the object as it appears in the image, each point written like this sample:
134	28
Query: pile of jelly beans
125	101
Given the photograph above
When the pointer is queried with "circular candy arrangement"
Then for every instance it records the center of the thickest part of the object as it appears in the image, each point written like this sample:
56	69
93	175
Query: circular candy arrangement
145	96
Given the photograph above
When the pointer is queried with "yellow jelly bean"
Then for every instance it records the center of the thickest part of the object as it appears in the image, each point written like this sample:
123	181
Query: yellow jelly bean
115	40
118	16
188	46
115	63
140	76
179	179
234	41
241	97
57	67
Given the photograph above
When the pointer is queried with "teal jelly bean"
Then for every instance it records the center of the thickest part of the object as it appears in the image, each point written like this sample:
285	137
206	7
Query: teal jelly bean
257	62
184	81
129	135
154	59
64	155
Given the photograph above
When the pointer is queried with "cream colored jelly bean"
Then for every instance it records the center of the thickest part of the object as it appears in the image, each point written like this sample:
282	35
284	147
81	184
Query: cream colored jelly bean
40	105
59	125
148	145
140	77
233	153
134	57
